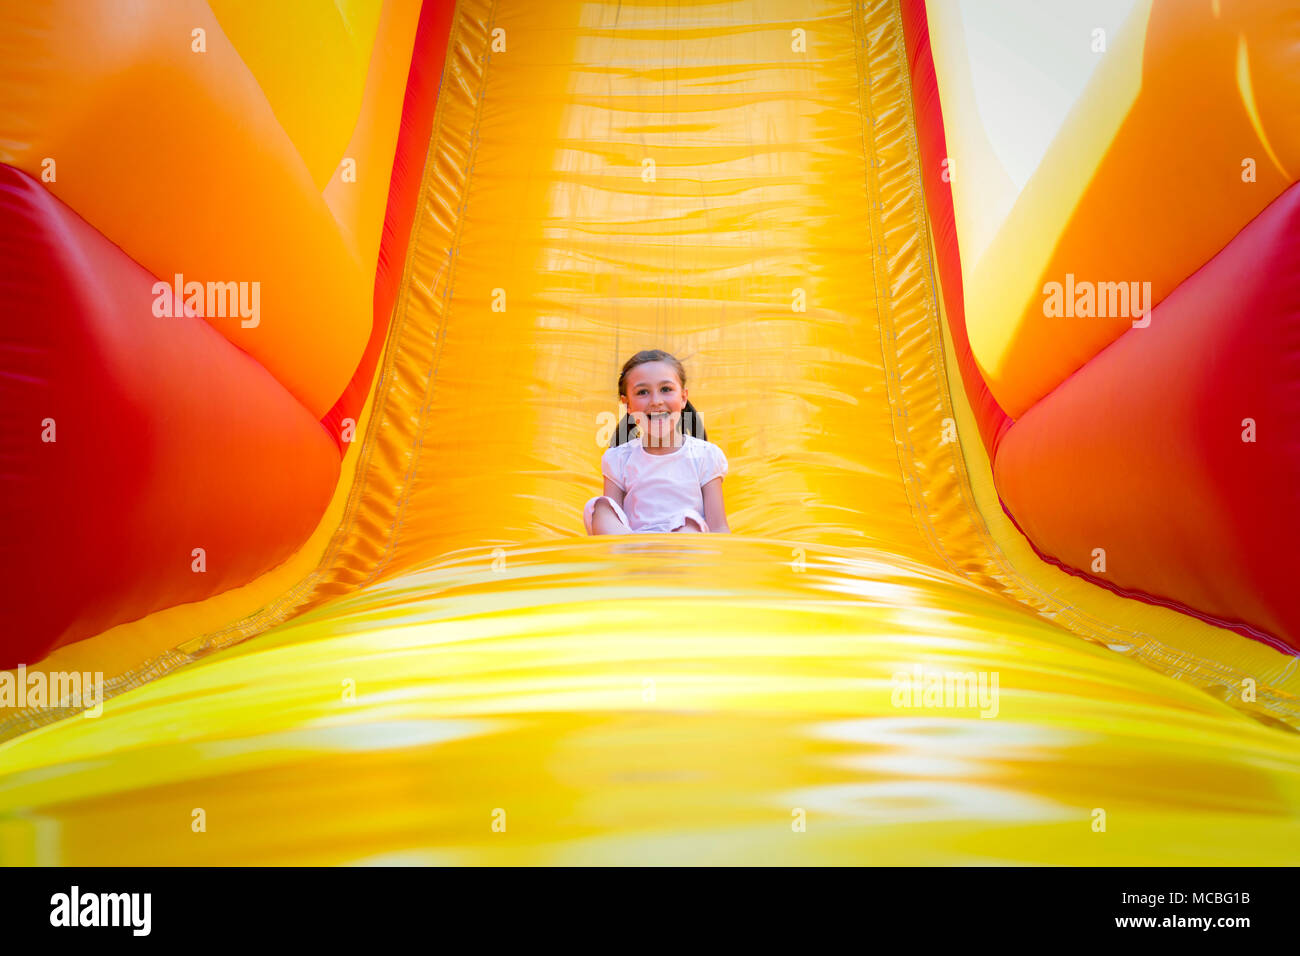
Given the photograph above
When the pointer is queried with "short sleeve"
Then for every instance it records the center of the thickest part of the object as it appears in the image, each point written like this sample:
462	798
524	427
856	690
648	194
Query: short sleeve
611	467
715	465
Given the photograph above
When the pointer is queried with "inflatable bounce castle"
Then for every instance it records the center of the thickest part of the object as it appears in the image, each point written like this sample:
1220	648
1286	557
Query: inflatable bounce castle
313	317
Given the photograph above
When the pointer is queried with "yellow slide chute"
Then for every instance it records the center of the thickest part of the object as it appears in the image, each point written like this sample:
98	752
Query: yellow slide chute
475	681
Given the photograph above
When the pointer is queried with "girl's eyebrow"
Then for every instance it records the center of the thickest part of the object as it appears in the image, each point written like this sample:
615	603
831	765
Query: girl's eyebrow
667	381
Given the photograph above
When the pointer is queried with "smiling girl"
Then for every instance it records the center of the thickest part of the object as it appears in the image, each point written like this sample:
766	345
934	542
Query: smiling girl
661	471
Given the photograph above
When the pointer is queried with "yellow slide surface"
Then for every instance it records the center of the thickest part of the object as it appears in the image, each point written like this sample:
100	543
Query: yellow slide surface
477	681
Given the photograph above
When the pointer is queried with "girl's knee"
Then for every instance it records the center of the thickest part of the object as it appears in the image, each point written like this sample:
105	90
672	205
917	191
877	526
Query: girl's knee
605	518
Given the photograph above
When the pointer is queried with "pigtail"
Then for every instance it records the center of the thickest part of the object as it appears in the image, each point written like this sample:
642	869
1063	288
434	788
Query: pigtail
625	432
691	423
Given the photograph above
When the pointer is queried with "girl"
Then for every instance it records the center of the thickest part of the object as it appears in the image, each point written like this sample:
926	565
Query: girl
661	471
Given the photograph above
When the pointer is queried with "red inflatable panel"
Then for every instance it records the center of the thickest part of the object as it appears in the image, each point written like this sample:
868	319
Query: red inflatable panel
167	439
1177	449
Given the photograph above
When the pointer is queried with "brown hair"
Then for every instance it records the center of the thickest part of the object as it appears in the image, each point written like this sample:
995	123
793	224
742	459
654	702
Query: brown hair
689	423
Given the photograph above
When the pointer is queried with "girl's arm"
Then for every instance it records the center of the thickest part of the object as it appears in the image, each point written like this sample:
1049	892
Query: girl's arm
613	491
715	512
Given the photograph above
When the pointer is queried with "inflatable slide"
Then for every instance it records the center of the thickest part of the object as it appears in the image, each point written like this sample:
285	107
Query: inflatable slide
313	319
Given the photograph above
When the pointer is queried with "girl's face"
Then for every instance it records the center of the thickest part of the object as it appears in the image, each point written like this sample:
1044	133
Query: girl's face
655	398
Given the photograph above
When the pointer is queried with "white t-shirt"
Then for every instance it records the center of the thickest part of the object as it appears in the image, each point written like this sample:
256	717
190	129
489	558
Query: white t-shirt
660	489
